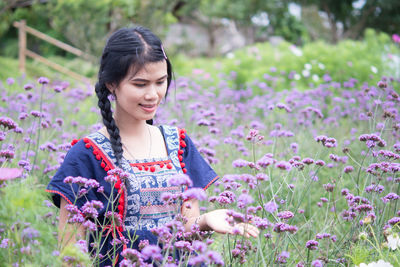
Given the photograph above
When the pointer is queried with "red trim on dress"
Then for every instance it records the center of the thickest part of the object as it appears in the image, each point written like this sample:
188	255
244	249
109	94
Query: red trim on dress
210	183
107	165
182	143
151	166
61	194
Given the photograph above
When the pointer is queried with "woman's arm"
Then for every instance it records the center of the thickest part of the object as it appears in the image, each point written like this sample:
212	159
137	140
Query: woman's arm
215	220
68	233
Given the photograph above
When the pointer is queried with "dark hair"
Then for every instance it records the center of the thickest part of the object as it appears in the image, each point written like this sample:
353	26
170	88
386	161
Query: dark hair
126	49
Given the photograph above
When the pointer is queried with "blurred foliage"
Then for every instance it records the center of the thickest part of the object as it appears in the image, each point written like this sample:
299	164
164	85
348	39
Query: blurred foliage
358	59
86	24
30	224
355	59
355	16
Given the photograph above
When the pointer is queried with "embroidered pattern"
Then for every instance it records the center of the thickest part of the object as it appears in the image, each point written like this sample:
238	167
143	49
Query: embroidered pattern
148	180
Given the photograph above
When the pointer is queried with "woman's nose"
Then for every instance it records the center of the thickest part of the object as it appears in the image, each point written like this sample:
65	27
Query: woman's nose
151	92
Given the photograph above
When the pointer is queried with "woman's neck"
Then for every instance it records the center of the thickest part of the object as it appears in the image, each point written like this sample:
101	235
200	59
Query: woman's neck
131	129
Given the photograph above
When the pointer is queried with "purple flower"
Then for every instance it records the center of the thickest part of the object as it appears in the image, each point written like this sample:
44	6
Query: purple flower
89	209
294	147
329	187
81	244
4	243
131	254
89	225
270	207
265	161
283	165
285	215
394	221
308	161
8	123
244	200
36	113
326	141
180	180
197	260
375	187
240	163
10	81
312	244
283	227
252	136
28	86
43	80
364	207
199	246
282	257
348	169
29	234
194	193
215	258
317	263
226	197
152	251
389	197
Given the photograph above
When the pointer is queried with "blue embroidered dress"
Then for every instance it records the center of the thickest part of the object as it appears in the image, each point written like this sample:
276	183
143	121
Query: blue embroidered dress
139	203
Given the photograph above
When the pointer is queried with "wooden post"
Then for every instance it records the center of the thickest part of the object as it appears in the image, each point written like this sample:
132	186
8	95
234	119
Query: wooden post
22	45
23	29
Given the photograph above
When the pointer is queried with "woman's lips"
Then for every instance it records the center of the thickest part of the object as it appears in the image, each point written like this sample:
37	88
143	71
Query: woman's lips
148	108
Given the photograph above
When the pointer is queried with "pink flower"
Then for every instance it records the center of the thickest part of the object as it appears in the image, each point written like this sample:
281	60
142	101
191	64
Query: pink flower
396	38
9	173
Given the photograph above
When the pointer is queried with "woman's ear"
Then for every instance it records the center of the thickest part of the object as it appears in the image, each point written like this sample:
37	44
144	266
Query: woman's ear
111	87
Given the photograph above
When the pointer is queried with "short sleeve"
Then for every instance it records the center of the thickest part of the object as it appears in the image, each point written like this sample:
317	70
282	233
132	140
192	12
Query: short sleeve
199	171
79	161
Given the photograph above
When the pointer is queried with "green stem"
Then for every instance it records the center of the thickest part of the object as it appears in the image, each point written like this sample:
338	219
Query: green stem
39	125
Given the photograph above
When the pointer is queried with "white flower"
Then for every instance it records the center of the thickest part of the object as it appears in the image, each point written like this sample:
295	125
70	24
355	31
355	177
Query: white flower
297	77
308	66
321	66
315	78
393	241
306	73
380	263
295	50
374	69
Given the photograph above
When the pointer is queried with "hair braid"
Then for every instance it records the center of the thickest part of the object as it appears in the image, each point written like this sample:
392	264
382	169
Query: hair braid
108	120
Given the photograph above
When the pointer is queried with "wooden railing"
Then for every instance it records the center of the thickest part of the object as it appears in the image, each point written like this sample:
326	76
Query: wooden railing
23	29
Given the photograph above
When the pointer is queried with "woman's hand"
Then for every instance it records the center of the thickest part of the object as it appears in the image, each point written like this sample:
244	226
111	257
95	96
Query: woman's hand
217	220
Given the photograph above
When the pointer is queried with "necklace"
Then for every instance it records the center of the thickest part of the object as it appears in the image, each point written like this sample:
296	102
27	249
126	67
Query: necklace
130	154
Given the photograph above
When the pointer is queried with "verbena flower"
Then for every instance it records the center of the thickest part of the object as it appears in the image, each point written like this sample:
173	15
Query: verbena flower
317	263
312	244
285	215
180	180
194	193
43	80
152	251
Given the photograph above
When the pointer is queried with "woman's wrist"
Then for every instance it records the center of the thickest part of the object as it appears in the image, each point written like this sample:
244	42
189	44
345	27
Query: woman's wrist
201	221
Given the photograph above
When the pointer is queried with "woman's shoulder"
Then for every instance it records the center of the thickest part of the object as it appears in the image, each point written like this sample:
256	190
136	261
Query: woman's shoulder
85	145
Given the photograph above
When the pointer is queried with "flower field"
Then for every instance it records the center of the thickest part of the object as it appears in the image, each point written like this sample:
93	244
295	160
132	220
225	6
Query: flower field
316	170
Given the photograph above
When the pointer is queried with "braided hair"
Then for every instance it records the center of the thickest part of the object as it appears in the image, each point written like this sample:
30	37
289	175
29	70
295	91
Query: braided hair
126	49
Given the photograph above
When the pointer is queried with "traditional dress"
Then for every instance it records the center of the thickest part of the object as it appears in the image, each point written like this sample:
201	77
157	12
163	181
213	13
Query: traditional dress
138	203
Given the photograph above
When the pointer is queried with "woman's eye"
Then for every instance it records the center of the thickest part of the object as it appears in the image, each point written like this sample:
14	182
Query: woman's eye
160	83
139	84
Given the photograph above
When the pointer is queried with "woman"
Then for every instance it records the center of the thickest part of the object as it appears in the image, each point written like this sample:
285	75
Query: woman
136	72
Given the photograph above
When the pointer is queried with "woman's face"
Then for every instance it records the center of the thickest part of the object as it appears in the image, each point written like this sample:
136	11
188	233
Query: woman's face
138	95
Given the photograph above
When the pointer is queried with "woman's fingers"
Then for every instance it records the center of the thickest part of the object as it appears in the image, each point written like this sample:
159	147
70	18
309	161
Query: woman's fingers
246	230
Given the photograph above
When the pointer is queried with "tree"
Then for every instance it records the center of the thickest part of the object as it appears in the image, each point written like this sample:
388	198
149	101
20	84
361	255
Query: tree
354	16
